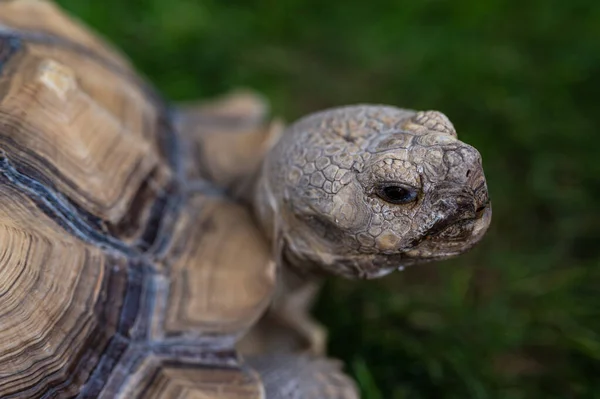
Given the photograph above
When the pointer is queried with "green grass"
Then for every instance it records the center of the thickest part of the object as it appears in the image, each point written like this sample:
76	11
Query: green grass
518	317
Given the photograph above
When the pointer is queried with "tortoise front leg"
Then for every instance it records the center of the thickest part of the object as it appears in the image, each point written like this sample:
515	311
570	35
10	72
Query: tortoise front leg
292	308
287	326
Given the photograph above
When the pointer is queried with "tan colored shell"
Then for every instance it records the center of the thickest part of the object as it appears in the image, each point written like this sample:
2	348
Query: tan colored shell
119	276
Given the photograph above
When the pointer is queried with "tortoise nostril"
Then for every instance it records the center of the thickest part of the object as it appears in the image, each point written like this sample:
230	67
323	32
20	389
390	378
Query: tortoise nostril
468	172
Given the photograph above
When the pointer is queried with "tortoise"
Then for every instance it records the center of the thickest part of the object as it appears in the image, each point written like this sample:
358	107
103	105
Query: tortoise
168	251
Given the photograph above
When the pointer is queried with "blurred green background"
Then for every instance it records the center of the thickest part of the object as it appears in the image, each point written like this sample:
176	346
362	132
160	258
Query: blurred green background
518	317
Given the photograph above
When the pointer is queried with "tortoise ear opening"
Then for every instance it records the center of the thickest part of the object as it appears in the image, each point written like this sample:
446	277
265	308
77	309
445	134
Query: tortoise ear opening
430	121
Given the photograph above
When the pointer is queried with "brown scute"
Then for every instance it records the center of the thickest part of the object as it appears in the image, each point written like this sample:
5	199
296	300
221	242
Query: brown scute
90	132
55	314
221	273
163	380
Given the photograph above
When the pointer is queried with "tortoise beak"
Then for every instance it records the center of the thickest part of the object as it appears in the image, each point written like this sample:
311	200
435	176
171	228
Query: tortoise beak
483	221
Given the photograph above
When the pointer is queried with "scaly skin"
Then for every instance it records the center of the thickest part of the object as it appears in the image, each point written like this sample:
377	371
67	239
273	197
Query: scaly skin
363	190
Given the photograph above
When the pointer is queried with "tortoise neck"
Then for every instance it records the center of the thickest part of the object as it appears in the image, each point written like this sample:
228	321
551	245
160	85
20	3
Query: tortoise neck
263	202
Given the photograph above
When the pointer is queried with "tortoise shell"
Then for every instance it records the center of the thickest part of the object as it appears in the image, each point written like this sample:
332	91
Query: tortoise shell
119	268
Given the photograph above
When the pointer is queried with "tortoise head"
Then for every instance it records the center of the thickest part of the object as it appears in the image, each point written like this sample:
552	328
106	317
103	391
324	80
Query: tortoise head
363	190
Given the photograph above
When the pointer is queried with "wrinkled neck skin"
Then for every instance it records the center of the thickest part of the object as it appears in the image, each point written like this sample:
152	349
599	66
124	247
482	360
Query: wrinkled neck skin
271	218
294	273
265	205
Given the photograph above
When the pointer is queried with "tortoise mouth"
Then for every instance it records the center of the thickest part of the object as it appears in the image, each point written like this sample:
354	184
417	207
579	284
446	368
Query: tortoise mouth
425	251
376	265
432	248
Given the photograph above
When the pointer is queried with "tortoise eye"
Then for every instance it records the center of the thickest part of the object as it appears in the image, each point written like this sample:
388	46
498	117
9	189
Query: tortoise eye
396	194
